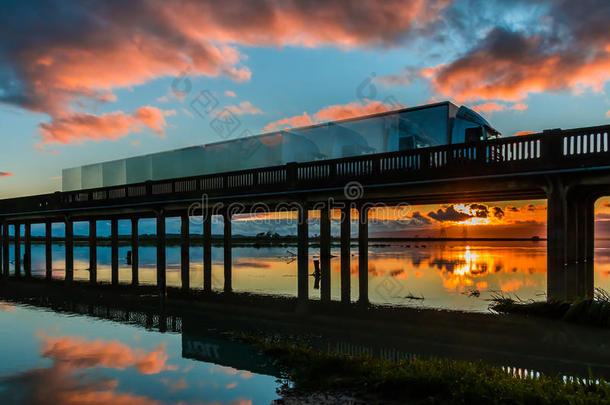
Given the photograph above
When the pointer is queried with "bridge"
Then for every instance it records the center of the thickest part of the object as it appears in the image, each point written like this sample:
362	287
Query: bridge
568	168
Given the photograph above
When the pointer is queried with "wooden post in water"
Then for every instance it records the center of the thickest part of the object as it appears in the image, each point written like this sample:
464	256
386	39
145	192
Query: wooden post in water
69	275
161	276
27	255
207	251
114	250
363	256
6	248
303	257
325	253
17	249
92	251
345	255
48	249
227	248
135	243
184	251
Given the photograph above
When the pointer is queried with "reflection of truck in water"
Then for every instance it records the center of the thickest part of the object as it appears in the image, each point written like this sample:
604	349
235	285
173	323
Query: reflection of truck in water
409	128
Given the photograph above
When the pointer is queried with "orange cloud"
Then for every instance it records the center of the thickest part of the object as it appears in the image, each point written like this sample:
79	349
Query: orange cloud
331	113
78	127
60	59
6	174
511	65
245	107
81	353
520	133
230	93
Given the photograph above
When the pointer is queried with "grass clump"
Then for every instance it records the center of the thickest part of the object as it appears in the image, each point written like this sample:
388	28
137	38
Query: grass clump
594	311
423	380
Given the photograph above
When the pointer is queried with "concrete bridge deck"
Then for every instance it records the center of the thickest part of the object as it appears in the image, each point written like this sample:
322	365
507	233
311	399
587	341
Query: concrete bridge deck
569	168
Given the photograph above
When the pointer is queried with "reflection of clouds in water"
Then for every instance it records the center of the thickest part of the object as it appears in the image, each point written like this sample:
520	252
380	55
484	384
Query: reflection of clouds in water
65	382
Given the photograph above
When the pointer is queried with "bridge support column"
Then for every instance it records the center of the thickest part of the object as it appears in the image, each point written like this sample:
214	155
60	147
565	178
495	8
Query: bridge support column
27	254
5	249
69	238
114	250
161	276
303	256
135	257
92	251
345	255
227	247
184	252
325	238
207	251
570	240
17	249
48	249
363	256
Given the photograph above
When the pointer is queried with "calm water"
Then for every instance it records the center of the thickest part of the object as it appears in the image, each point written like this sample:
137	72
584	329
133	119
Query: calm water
451	275
50	358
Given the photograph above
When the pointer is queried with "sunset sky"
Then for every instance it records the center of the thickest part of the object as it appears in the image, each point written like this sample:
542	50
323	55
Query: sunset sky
83	82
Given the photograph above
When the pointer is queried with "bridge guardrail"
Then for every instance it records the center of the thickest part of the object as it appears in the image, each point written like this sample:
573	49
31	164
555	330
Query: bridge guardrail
556	149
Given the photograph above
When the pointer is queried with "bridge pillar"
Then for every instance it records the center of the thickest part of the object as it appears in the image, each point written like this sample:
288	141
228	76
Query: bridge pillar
570	240
48	249
227	247
161	276
69	257
363	256
345	255
135	256
303	256
27	254
5	249
184	251
114	250
207	251
325	238
17	247
92	251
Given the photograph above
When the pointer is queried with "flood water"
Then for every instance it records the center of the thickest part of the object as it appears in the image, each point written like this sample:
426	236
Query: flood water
448	275
52	358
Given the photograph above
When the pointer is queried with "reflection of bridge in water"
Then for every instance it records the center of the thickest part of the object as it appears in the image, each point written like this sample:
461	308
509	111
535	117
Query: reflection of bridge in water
568	168
209	330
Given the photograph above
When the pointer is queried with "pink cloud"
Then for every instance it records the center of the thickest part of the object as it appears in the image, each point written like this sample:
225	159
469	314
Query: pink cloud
6	174
230	93
331	113
79	127
245	107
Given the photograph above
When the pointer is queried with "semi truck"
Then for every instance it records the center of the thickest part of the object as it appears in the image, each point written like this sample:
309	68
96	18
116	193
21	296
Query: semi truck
402	129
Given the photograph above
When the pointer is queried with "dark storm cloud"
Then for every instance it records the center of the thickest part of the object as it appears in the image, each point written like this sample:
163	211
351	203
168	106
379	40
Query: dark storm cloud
448	214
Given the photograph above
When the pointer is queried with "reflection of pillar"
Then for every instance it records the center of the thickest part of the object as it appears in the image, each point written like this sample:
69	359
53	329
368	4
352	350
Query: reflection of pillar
184	251
114	250
48	240
227	246
303	255
5	249
363	256
207	251
161	283
135	245
17	249
345	255
92	251
27	255
69	276
325	253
